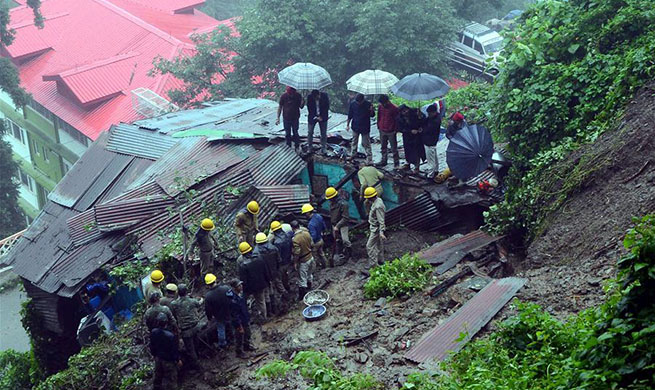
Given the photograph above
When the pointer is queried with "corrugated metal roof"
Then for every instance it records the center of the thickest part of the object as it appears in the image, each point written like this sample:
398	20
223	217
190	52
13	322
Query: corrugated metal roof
47	306
84	260
275	165
119	215
111	172
129	139
440	342
449	252
129	175
419	213
83	227
288	199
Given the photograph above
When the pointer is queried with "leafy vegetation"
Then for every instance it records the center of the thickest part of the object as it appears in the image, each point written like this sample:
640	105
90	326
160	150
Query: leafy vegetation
404	275
15	370
11	216
570	68
320	370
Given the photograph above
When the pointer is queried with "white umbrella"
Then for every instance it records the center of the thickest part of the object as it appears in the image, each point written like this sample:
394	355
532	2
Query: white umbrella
304	75
371	82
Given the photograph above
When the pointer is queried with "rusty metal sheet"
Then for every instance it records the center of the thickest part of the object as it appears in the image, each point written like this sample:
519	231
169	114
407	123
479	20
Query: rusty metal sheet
275	165
440	342
139	142
419	213
106	178
288	199
84	260
46	304
121	214
83	227
449	252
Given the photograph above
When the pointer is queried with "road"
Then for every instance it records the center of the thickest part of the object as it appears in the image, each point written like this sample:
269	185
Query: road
12	334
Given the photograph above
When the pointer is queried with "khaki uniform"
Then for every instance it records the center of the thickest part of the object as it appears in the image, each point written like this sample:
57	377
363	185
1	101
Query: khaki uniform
245	227
206	244
166	301
375	245
370	177
151	316
151	288
302	255
186	311
339	217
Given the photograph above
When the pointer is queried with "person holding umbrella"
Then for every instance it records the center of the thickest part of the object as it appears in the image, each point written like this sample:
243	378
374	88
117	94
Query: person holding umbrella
359	114
318	107
409	124
289	106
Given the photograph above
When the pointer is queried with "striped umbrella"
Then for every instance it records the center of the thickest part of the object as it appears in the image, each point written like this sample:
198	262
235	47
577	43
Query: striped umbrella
420	86
304	75
371	82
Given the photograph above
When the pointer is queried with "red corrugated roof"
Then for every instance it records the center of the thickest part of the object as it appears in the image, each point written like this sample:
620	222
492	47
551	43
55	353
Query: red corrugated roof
100	50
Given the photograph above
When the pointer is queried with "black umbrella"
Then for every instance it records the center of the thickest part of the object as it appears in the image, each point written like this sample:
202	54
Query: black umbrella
469	151
420	86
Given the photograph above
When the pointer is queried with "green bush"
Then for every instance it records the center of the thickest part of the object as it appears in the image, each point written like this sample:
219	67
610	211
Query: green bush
400	276
15	370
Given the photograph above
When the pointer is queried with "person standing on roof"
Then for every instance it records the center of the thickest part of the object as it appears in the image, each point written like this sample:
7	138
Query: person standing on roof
316	227
430	137
360	113
218	308
164	348
156	308
376	237
206	244
409	123
245	223
154	284
271	256
289	106
302	258
283	241
369	176
171	295
455	124
186	311
256	277
387	116
339	216
318	110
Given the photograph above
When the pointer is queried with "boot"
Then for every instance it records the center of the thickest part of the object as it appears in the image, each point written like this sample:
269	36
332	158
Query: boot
347	253
301	293
272	307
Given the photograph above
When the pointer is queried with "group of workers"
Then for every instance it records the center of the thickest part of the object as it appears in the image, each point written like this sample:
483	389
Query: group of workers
265	265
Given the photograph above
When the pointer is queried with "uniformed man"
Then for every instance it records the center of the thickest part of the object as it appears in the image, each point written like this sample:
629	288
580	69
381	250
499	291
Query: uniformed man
241	319
154	284
376	237
217	307
256	277
206	243
271	256
316	227
245	223
187	313
283	242
369	176
302	258
171	295
339	216
164	348
154	309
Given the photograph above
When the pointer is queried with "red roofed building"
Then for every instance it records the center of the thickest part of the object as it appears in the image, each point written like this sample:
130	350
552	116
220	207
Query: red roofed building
86	70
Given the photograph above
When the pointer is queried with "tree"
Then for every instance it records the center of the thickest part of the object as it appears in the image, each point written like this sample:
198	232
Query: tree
11	217
343	36
224	9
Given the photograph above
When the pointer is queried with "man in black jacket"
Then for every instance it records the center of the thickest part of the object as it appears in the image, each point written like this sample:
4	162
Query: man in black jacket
282	241
256	277
318	107
430	137
409	124
164	348
360	113
217	306
271	256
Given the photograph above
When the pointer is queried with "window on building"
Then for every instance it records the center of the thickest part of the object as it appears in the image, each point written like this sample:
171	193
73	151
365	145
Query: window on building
16	131
44	150
70	130
42	110
36	148
26	180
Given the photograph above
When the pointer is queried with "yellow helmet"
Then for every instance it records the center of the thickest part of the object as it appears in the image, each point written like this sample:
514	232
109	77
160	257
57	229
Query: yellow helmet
253	207
370	192
331	192
210	278
261	238
156	276
207	224
306	208
275	225
244	248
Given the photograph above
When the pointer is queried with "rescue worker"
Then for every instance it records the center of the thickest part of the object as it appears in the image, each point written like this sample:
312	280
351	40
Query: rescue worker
376	237
256	278
154	284
217	307
284	242
316	227
271	256
164	348
369	176
339	218
303	261
154	309
245	223
241	318
187	313
171	295
206	243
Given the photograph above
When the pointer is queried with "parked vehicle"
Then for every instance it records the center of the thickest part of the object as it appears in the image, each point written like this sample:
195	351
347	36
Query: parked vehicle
477	49
507	22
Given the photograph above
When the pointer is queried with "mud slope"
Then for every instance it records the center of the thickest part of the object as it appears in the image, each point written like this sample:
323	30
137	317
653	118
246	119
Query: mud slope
569	261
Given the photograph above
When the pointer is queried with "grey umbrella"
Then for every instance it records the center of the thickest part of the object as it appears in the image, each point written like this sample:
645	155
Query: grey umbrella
469	151
420	86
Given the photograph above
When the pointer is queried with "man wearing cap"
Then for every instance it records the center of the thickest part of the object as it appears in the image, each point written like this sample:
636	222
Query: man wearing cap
316	227
302	258
186	311
217	307
283	241
256	277
245	223
156	308
339	216
164	348
241	319
154	284
455	124
369	176
271	256
206	243
376	237
171	295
